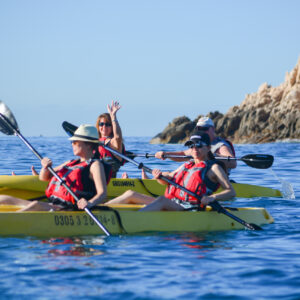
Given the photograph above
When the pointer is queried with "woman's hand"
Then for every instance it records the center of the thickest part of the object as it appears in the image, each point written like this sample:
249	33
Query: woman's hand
156	173
46	162
205	200
160	155
82	203
112	110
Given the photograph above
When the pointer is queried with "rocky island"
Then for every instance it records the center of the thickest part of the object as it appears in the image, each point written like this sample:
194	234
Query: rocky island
268	115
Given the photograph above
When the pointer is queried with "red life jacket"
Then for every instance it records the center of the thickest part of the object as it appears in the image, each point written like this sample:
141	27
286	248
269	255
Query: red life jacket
191	176
103	152
76	175
110	158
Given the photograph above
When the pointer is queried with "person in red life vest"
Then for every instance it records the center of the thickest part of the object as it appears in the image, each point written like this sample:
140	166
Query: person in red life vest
219	146
86	177
110	134
202	176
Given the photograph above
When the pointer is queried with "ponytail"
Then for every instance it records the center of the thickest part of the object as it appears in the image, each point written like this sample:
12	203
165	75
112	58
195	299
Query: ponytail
96	151
107	166
210	155
220	163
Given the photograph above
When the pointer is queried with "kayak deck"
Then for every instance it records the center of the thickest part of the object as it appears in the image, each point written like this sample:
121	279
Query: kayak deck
151	187
29	187
123	219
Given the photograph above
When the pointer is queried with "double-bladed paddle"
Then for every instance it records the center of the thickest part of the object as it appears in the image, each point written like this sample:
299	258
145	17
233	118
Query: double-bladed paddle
70	128
9	126
258	161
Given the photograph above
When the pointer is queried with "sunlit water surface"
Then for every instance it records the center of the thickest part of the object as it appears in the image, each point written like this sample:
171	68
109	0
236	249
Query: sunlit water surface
238	264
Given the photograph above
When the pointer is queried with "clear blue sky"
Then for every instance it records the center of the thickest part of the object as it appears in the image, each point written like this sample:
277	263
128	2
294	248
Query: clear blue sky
67	59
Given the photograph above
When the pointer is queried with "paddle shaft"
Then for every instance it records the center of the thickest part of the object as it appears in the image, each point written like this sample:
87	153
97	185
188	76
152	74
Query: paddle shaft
56	176
148	155
215	204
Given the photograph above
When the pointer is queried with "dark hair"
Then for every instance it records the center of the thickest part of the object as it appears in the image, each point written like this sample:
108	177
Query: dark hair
204	136
202	128
220	163
96	151
95	148
210	155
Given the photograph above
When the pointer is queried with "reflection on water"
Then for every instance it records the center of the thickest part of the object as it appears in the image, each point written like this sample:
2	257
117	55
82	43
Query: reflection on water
74	246
201	243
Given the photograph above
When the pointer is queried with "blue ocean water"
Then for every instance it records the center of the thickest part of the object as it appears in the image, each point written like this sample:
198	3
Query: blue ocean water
239	264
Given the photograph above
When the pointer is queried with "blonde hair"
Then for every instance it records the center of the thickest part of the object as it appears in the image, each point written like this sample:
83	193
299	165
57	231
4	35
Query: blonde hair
107	118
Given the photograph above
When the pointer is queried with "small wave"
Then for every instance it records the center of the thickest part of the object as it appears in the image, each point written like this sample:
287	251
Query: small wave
286	187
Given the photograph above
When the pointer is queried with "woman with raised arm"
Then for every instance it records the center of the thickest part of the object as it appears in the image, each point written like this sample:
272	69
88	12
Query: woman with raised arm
110	134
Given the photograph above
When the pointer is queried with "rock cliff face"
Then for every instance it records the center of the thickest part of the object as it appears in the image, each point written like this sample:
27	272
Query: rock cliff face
270	114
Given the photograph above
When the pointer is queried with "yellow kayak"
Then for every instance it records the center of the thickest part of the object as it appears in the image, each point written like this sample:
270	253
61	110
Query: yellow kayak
122	219
28	187
153	188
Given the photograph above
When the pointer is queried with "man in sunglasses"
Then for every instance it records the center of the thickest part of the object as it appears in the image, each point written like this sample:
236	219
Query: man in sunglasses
219	146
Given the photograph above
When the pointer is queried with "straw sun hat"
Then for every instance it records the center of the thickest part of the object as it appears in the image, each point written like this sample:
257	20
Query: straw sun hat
86	133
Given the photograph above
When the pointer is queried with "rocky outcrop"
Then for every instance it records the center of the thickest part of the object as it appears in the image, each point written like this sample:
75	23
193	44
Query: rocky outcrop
270	114
175	132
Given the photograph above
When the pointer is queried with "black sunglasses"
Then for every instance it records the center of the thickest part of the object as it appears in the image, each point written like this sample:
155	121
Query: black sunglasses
197	145
202	128
103	123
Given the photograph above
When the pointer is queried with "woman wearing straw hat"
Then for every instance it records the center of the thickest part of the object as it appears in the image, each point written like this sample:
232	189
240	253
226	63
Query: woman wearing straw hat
86	176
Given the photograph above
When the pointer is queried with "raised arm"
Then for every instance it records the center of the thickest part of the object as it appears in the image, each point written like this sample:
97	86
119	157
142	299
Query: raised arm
117	139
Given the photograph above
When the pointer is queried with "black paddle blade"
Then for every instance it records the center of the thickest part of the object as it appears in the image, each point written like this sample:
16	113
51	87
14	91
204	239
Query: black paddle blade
259	161
130	154
69	128
8	123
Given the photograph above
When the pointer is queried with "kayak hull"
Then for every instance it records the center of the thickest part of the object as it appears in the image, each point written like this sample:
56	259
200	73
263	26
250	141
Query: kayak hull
29	187
123	219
